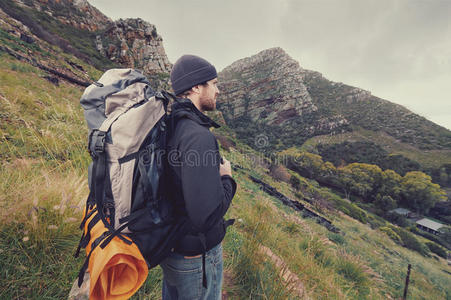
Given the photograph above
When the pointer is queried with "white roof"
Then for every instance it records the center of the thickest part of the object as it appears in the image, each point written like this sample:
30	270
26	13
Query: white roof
401	211
430	224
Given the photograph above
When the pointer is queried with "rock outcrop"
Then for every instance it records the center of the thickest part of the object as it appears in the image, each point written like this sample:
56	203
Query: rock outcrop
80	29
76	13
268	90
266	86
270	97
134	43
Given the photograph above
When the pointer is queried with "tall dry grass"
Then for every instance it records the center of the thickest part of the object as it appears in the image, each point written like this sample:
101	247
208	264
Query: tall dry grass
43	187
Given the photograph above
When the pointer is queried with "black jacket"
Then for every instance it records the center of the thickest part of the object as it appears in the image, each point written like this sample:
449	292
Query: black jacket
196	186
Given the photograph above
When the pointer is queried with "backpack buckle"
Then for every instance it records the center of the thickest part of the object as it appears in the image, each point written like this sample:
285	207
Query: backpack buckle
96	144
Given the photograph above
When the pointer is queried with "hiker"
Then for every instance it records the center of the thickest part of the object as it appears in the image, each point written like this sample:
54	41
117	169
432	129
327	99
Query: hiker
201	184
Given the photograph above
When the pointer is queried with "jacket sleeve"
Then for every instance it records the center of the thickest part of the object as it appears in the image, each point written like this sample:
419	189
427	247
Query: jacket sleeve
207	195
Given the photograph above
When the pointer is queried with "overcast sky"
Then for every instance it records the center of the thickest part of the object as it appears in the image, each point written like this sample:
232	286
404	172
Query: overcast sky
399	50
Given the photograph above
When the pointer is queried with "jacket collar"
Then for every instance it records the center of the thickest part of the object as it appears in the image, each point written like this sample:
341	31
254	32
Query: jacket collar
184	108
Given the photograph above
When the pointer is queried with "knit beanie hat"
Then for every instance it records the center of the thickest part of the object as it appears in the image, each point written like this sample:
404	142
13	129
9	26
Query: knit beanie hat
190	70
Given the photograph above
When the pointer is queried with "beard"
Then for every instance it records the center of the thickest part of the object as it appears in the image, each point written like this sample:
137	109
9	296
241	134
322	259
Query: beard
208	104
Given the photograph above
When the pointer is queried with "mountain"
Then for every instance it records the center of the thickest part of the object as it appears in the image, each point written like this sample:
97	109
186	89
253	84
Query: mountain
292	237
271	93
266	93
30	30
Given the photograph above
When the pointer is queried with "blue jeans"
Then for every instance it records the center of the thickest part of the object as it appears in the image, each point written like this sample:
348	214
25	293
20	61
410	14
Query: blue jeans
182	277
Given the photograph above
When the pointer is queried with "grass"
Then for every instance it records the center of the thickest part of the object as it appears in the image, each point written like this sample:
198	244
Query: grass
40	121
375	114
151	289
17	44
308	254
42	183
78	42
39	231
368	271
43	187
390	261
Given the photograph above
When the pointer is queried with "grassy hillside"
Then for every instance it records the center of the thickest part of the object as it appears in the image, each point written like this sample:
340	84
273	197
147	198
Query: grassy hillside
271	253
78	42
427	158
372	113
43	182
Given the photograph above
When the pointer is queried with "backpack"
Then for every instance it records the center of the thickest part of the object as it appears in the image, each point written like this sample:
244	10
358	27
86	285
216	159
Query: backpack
127	140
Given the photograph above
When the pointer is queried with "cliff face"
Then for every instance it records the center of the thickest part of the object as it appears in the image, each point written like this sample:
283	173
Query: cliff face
267	86
269	93
369	112
134	43
76	13
268	90
82	30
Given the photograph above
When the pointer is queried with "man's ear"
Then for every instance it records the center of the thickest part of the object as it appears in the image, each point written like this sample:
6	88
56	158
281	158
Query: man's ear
196	89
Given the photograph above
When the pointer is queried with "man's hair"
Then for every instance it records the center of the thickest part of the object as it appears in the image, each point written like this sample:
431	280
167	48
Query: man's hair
186	93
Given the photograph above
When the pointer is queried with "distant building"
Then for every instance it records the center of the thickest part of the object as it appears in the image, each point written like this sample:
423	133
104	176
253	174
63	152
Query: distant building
429	225
402	211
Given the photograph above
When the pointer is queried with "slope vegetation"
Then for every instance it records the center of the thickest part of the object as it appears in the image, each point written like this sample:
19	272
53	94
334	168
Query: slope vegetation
44	185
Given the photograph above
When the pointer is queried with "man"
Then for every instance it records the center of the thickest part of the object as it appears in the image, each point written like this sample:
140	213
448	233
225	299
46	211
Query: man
201	184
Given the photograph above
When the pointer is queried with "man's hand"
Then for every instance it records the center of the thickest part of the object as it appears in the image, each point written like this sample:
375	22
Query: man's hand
225	168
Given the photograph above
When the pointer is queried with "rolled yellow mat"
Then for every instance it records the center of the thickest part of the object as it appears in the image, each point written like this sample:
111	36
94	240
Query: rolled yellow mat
118	270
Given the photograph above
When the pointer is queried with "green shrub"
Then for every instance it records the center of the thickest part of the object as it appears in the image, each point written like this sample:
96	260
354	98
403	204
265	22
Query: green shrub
291	228
439	239
350	209
391	234
295	182
376	221
397	219
440	251
336	238
410	241
357	213
353	272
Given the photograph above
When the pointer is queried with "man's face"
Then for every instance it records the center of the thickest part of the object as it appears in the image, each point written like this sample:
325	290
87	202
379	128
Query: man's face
208	94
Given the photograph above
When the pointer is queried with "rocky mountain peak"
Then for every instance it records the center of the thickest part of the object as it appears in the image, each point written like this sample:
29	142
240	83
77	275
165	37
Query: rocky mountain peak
266	86
77	13
276	57
270	93
79	28
134	43
268	89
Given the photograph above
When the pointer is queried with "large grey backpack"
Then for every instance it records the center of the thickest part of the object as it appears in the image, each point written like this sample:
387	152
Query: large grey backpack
127	143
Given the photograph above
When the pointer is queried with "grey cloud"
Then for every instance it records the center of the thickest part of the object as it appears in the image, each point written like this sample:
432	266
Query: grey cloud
400	50
383	40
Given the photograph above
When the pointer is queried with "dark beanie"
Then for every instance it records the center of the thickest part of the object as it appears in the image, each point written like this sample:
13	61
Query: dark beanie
190	70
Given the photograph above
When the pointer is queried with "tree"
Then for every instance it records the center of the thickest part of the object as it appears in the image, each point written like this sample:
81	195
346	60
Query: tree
279	172
360	179
419	193
445	234
443	177
385	202
295	183
305	163
390	184
328	171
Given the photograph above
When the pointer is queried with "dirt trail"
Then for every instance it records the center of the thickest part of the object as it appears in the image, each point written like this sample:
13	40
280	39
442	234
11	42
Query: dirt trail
293	283
228	285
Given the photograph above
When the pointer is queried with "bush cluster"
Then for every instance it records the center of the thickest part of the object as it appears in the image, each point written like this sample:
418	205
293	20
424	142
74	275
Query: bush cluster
410	241
391	234
440	251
